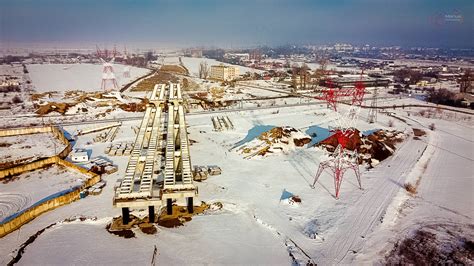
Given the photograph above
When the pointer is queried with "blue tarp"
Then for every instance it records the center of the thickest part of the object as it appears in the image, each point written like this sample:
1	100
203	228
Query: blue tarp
285	195
253	133
50	197
317	134
370	131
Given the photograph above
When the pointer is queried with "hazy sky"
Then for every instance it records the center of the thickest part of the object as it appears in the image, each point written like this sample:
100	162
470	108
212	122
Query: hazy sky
442	23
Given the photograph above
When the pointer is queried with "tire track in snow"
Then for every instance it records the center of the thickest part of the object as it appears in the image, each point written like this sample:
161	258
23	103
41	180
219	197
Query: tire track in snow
11	203
295	252
360	221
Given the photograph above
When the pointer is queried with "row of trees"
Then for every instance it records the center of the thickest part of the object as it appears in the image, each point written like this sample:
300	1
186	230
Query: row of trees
445	97
304	75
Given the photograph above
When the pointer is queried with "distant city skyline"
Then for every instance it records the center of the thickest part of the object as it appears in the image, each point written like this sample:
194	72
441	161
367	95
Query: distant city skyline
234	24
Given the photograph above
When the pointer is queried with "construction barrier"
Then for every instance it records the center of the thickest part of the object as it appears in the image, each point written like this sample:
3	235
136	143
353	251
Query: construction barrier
15	221
58	133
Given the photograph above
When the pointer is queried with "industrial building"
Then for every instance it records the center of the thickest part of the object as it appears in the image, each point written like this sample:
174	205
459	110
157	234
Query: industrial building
224	73
351	80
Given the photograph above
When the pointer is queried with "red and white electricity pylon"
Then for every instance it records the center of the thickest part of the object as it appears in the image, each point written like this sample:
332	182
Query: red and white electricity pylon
109	81
342	159
126	70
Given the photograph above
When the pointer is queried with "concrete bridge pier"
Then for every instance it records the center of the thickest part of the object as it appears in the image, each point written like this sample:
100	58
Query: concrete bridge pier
190	205
151	214
169	206
125	216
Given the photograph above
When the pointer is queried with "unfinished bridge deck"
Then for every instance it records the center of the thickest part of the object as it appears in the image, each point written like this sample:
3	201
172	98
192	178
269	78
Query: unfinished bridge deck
163	128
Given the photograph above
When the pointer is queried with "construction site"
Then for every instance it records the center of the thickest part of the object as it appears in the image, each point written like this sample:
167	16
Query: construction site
154	162
159	170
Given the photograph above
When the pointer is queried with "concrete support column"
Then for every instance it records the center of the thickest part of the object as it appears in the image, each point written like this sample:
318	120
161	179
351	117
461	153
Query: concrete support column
151	214
190	205
169	206
125	215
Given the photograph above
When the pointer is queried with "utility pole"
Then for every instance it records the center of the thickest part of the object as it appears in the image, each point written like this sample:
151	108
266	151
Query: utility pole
372	117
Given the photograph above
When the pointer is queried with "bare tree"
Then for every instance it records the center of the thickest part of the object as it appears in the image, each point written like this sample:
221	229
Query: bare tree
303	75
323	63
295	69
203	70
466	81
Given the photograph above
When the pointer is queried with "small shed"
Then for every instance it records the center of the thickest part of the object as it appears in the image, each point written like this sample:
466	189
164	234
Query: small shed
79	156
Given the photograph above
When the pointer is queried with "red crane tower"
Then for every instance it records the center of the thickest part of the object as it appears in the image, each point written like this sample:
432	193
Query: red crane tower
342	159
109	82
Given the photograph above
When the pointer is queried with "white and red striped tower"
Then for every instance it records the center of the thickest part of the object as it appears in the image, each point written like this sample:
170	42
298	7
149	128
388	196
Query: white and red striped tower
126	69
109	81
342	159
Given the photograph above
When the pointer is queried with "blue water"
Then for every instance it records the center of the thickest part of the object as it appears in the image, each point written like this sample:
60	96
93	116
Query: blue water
370	132
253	133
321	134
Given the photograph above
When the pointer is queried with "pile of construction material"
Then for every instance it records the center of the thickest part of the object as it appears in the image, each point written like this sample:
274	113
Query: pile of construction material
93	190
101	166
277	139
222	123
372	149
97	188
98	128
119	149
200	173
108	135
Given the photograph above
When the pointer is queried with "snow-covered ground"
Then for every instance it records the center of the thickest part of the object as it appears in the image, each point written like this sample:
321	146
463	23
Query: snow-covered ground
28	188
29	147
254	227
68	77
192	64
444	195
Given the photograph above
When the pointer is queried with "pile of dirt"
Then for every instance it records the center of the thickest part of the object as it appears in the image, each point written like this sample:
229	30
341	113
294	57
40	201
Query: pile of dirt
178	218
177	69
116	227
125	233
418	132
160	77
148	228
180	215
135	107
283	135
53	107
274	140
372	149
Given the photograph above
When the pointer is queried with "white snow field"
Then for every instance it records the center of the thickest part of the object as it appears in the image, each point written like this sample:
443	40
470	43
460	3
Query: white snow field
29	147
68	77
192	64
444	194
254	227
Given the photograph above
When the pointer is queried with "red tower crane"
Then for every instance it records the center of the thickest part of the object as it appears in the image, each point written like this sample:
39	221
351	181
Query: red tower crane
341	158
